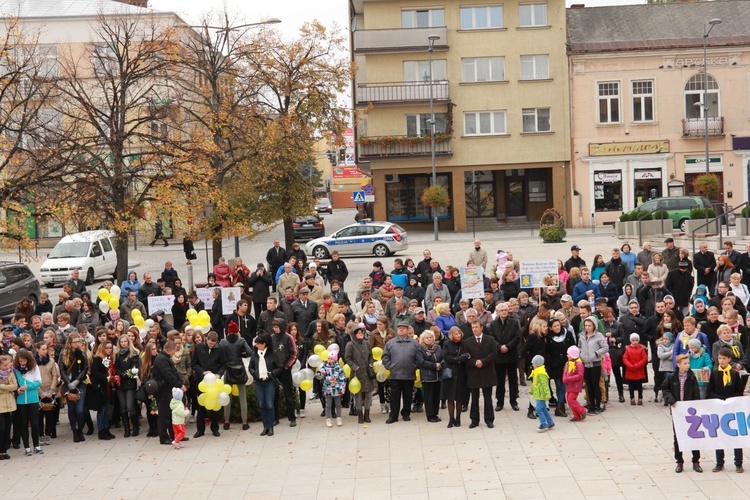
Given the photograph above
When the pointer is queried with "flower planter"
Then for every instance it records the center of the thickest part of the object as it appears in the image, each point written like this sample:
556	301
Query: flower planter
622	229
742	225
693	224
652	227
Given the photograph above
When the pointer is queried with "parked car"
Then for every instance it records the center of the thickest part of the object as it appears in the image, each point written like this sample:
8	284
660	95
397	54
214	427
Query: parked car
678	207
16	282
364	238
91	252
308	227
323	205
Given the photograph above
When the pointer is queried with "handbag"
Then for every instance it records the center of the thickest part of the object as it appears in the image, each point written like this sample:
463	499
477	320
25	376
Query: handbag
140	394
446	373
192	256
371	372
236	374
47	404
73	395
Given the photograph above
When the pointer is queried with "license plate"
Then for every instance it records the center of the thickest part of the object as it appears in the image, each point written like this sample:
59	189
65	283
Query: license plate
59	278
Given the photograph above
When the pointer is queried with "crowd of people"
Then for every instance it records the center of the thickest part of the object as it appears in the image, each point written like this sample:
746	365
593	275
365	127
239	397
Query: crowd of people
405	332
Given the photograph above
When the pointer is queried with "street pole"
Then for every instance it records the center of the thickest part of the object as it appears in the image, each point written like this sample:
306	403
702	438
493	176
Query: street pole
432	39
706	31
475	195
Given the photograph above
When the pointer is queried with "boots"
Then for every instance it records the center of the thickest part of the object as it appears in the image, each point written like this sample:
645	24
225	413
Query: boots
360	417
367	417
76	439
457	420
561	407
152	431
531	413
126	425
103	436
557	411
136	426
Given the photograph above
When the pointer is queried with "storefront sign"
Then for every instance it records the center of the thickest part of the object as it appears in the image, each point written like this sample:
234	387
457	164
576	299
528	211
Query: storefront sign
347	173
701	160
607	176
647	174
628	148
712	424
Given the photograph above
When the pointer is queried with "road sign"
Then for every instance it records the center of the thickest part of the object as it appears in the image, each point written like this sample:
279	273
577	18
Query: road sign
358	196
370	198
369	189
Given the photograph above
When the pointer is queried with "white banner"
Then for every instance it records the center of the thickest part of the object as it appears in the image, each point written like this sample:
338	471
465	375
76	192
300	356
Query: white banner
712	424
541	273
472	282
163	302
207	296
229	298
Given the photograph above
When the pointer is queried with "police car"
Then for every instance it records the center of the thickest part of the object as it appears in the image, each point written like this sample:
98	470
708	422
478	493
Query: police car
363	238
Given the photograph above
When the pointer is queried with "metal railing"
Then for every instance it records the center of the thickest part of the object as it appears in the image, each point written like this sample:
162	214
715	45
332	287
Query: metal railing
392	146
696	127
720	216
407	92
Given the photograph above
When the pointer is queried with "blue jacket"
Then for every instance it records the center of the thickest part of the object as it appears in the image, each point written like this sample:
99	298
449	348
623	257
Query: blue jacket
128	285
31	394
445	323
629	258
579	292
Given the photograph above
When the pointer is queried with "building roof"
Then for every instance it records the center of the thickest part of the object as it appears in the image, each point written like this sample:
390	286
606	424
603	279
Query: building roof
69	8
657	26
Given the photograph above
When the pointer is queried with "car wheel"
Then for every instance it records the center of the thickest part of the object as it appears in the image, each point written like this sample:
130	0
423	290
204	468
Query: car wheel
320	252
89	276
683	225
381	251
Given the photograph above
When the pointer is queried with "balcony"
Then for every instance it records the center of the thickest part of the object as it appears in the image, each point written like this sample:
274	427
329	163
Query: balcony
399	146
696	127
398	40
401	93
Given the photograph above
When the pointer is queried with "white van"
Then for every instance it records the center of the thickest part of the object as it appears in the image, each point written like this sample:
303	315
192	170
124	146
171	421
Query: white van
91	252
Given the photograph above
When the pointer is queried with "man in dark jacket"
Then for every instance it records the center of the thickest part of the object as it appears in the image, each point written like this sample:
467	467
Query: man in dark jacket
480	373
208	357
148	289
744	266
575	260
650	332
337	269
633	321
616	269
165	373
276	257
260	280
272	312
705	265
507	332
304	310
424	267
671	254
286	349
217	313
247	324
729	251
76	283
650	295
400	357
681	282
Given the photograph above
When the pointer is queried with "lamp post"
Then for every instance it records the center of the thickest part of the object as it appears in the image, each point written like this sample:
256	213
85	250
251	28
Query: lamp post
707	27
430	48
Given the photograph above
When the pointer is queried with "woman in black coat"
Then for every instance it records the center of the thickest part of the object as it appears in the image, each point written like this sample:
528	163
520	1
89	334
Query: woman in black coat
127	358
414	291
179	311
558	341
265	368
100	391
453	389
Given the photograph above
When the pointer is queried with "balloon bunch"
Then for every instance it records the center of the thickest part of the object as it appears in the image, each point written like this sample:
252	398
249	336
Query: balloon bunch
381	374
142	324
302	378
109	299
215	393
200	321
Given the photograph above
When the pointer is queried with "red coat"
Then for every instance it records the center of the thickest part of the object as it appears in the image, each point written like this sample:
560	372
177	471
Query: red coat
635	360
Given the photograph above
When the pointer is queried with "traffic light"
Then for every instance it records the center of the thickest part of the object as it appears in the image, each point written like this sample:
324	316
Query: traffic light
331	157
342	155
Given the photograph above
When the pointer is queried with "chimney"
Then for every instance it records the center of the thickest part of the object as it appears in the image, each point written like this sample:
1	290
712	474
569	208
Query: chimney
578	6
137	3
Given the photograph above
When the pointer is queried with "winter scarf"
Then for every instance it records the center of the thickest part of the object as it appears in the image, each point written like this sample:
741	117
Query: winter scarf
572	365
430	349
727	374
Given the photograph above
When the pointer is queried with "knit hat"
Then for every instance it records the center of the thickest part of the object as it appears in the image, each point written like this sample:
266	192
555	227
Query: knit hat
537	360
574	352
635	336
695	343
333	356
233	327
669	336
177	394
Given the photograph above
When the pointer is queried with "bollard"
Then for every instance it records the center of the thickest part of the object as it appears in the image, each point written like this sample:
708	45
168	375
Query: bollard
593	224
189	277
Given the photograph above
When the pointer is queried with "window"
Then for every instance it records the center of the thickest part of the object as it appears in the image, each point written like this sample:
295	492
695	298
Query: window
419	125
609	102
107	245
536	120
483	69
96	250
419	71
694	105
402	197
643	100
159	129
484	122
484	17
608	191
104	60
535	67
532	14
49	66
42	132
427	18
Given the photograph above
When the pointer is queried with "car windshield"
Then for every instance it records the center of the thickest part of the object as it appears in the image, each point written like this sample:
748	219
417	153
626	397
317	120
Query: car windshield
323	201
68	250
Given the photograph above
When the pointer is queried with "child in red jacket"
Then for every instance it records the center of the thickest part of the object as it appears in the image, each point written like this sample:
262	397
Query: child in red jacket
573	380
635	360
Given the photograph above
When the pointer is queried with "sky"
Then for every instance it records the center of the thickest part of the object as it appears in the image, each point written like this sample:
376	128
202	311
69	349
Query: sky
294	13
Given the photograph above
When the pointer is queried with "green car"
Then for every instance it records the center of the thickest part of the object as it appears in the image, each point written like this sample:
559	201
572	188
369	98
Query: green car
678	207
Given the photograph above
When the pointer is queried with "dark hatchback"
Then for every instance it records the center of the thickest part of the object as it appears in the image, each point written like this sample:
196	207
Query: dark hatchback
308	227
17	282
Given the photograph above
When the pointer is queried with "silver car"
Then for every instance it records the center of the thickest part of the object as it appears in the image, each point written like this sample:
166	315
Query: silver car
323	205
364	238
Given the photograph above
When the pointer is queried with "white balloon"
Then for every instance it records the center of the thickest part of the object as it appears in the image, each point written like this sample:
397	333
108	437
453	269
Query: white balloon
114	292
104	306
296	367
297	378
150	323
143	332
314	361
223	398
334	348
307	374
209	379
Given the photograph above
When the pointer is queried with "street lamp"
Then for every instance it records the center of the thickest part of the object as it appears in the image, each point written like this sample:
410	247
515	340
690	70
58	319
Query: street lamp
707	27
432	39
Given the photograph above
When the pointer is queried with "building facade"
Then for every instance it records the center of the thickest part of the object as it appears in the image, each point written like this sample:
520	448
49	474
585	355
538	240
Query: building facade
499	83
640	99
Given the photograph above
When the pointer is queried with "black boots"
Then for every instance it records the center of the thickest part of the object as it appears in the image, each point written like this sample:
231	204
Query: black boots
126	425
531	413
136	426
367	417
560	410
152	431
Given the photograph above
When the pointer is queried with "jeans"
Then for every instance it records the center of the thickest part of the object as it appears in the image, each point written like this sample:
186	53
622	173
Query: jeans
333	401
102	416
358	400
265	390
384	392
635	387
302	399
243	404
76	411
737	457
126	398
560	390
545	419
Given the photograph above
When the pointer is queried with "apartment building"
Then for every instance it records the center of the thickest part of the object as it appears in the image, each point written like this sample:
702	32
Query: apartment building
640	99
499	84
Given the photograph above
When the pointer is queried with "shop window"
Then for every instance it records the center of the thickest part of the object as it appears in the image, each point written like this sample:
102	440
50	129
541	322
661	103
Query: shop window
607	191
402	198
647	185
609	102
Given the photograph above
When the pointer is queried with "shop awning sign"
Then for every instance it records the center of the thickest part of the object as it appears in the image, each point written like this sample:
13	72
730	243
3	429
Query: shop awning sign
628	148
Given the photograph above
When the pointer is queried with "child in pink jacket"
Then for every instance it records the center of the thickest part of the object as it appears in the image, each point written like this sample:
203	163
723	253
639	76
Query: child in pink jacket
573	380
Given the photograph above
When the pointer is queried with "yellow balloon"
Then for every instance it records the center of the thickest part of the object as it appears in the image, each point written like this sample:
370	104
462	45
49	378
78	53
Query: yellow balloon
235	390
202	386
204	314
355	386
227	389
205	321
136	313
347	371
202	400
114	303
306	385
103	294
191	313
318	349
341	362
418	382
377	353
139	322
324	356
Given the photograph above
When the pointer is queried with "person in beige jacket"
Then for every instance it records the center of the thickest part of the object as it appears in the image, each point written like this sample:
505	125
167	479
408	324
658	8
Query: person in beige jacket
8	387
50	373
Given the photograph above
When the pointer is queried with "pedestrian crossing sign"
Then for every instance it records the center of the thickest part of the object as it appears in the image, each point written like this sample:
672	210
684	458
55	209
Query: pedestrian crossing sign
358	196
